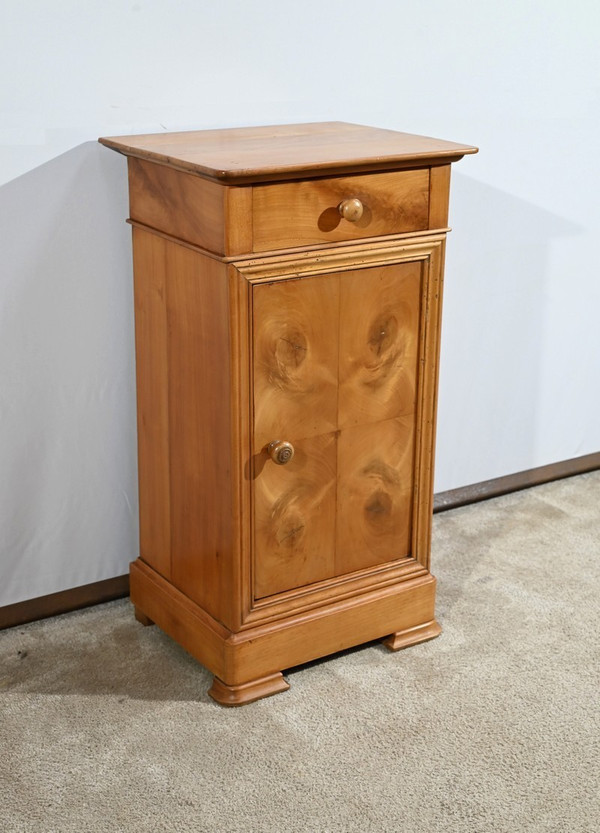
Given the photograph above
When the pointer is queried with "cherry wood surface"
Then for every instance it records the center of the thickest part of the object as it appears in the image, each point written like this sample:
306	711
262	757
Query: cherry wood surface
300	213
412	636
374	498
439	186
183	366
251	654
288	151
379	327
251	328
152	401
336	353
295	517
200	419
240	695
415	266
214	217
295	357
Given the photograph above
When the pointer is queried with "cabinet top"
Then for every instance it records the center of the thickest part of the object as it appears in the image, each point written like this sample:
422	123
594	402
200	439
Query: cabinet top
288	151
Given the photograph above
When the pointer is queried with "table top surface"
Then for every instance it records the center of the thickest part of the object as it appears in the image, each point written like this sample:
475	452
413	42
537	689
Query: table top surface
253	154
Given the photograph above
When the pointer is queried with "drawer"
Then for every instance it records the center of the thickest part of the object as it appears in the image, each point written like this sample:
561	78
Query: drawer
301	213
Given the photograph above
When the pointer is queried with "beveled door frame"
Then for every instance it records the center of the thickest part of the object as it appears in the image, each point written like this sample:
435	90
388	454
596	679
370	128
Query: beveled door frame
243	275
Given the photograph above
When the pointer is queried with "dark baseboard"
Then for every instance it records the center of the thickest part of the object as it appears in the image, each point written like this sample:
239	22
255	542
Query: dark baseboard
64	601
116	588
454	498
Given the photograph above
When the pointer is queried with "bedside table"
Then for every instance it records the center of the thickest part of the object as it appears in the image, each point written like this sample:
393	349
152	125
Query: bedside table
288	288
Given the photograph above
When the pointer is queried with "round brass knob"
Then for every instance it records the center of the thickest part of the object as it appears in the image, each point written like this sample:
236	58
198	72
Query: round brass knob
280	452
351	209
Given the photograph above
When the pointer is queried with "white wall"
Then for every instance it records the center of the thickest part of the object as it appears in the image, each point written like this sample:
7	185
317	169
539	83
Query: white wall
521	343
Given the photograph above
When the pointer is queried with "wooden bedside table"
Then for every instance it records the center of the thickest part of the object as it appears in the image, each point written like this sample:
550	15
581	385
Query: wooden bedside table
287	300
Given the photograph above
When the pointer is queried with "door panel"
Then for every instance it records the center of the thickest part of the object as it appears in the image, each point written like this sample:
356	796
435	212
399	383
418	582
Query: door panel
374	493
335	372
294	517
295	358
379	342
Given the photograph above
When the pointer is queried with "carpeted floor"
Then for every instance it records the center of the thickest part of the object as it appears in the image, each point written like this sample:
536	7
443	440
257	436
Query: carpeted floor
492	727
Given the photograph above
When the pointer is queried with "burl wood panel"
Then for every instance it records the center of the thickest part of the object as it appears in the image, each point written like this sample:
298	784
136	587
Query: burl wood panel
374	495
335	373
301	213
379	342
294	511
295	359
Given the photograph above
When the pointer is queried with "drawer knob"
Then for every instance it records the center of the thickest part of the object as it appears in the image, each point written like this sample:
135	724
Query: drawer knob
280	452
351	209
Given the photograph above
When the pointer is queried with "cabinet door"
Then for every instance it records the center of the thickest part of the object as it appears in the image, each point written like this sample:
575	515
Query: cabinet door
335	361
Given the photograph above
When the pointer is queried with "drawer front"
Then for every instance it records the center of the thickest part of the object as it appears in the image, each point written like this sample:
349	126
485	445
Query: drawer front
290	214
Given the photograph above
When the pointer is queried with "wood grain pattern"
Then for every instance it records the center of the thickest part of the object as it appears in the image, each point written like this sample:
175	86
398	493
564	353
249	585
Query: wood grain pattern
184	413
182	619
374	496
150	298
295	359
393	609
408	285
200	428
185	206
347	362
413	270
379	343
189	208
288	151
295	517
300	213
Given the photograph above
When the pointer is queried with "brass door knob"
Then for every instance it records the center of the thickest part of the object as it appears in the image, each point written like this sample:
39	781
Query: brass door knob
280	452
351	209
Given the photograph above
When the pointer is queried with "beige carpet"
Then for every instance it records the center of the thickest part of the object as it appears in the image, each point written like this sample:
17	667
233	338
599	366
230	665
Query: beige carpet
106	725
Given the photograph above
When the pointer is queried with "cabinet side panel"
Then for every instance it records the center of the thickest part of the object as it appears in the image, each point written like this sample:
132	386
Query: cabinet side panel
200	428
152	400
